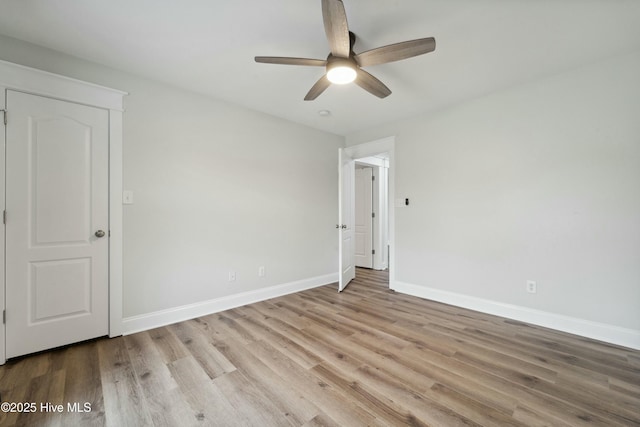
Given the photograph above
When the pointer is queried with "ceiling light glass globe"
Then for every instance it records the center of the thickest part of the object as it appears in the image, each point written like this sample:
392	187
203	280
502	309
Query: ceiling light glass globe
341	75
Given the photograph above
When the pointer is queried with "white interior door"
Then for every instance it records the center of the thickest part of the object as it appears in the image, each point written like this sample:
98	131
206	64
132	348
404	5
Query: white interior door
363	252
346	216
57	223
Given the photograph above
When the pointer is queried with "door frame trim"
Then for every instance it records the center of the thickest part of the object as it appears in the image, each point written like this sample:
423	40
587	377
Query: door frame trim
42	83
368	149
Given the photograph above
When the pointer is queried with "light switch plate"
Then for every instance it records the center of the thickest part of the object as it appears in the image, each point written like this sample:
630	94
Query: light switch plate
127	197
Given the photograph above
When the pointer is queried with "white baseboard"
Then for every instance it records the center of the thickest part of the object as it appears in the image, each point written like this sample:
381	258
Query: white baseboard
586	328
143	322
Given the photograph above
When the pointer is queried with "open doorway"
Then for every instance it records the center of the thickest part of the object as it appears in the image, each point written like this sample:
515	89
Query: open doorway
379	153
371	227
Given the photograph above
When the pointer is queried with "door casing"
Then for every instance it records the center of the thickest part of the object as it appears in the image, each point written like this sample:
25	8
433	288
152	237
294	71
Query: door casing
37	82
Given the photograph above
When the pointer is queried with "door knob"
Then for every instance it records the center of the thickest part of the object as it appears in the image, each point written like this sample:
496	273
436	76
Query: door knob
99	233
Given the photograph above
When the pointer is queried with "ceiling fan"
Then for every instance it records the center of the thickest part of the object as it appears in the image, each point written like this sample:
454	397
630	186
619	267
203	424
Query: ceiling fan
343	65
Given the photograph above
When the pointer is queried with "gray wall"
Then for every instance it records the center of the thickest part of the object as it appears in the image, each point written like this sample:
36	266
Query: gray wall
539	182
216	188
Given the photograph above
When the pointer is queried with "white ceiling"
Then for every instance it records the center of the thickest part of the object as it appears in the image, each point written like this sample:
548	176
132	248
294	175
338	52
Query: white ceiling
208	46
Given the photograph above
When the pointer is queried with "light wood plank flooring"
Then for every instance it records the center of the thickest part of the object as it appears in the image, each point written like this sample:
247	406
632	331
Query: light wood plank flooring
367	356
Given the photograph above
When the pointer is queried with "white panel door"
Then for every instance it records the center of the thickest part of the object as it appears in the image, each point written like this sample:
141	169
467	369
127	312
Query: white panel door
346	216
364	218
57	223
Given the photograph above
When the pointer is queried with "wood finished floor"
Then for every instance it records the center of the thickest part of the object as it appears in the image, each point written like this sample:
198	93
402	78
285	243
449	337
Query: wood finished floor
367	356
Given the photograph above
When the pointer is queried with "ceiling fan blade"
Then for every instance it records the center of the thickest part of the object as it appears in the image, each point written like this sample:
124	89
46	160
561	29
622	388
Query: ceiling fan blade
371	84
336	27
291	61
396	52
320	86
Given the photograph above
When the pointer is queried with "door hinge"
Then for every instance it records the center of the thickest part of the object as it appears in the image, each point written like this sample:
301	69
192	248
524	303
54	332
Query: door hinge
4	317
373	214
4	217
4	113
373	251
373	177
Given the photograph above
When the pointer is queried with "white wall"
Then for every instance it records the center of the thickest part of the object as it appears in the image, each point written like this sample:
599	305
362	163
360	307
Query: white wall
539	182
216	188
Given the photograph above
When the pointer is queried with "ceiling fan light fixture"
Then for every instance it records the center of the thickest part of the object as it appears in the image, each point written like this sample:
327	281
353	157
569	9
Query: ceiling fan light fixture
341	71
341	75
343	65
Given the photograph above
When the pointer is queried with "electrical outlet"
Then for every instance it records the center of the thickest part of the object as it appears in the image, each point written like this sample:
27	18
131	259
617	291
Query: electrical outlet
261	271
532	288
232	276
